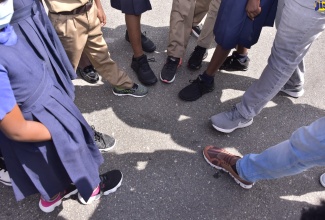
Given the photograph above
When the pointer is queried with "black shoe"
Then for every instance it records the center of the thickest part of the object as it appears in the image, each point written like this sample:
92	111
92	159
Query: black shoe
196	58
168	72
196	31
110	181
145	74
89	74
103	141
147	45
232	63
195	90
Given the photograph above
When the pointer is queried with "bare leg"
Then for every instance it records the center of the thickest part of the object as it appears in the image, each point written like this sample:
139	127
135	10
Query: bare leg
134	31
241	50
219	56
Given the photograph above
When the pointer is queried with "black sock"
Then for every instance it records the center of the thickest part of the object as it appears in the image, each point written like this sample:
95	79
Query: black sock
206	78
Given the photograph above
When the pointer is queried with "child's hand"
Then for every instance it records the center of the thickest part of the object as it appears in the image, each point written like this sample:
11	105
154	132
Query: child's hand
101	16
253	8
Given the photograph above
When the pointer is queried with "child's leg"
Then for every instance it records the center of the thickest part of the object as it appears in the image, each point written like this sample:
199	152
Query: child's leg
219	56
134	32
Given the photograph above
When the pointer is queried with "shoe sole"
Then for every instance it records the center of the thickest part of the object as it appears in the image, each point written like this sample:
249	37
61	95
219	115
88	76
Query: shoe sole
220	168
231	130
293	94
108	148
321	181
115	188
51	208
137	96
5	183
233	69
195	34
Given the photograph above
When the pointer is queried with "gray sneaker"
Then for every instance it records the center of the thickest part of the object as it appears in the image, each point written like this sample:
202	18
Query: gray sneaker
135	91
227	122
293	91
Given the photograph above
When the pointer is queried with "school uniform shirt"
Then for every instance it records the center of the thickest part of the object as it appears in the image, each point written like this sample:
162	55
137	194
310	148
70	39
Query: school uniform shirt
56	6
7	98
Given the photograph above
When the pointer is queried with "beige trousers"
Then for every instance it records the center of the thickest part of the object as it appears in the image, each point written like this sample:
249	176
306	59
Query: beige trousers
181	23
82	32
207	36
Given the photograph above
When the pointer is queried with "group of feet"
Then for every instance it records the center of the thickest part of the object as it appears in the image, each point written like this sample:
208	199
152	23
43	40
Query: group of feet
146	76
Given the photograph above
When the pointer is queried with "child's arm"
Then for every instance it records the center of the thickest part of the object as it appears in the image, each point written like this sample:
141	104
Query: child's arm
15	127
100	12
253	8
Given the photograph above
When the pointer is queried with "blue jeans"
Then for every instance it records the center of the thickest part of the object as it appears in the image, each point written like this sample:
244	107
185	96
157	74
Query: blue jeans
304	149
298	27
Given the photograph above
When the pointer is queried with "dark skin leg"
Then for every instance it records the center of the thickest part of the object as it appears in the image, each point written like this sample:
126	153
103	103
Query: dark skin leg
219	56
134	31
241	50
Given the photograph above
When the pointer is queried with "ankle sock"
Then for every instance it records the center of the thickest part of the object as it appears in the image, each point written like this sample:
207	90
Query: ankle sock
207	79
241	57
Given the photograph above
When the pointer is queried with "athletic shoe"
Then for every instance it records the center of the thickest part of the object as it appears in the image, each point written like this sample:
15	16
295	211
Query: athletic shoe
322	179
196	58
147	45
135	91
145	74
227	122
109	183
293	91
168	72
103	141
223	160
196	31
89	74
195	90
234	63
49	206
4	174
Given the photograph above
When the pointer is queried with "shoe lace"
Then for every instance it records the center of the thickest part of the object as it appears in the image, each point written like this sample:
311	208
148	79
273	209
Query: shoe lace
170	64
89	69
98	135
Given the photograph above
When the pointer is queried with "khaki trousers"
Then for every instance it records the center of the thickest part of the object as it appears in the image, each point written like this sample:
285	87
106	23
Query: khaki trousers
82	32
207	36
181	23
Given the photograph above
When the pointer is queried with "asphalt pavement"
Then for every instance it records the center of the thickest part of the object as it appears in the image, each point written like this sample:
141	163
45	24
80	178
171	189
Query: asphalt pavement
160	139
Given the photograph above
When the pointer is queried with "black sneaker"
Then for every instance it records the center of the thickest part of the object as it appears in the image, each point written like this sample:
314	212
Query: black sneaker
168	72
196	31
196	58
89	74
103	141
195	90
232	63
147	45
145	74
109	183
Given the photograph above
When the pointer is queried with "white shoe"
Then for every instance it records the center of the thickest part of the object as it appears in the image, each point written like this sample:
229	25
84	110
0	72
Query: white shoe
322	179
4	175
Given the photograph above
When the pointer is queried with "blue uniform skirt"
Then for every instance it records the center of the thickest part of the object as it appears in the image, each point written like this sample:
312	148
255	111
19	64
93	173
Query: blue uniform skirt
233	26
39	73
131	7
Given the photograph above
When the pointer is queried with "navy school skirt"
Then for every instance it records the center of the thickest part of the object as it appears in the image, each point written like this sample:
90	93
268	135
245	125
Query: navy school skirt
131	7
233	26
